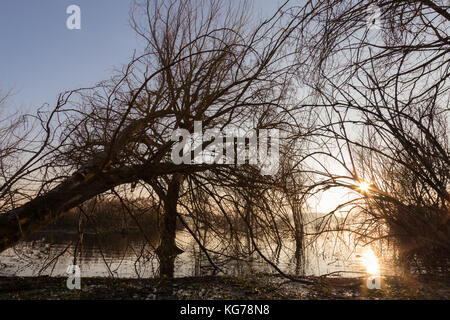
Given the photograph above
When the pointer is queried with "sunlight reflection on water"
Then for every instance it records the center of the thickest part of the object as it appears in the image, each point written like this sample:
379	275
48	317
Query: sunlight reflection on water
125	256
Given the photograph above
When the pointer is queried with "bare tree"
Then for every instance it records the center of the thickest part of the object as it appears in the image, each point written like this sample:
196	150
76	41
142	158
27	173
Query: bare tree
385	99
203	61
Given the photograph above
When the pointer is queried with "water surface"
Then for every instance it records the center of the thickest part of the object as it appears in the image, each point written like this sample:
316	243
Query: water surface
133	256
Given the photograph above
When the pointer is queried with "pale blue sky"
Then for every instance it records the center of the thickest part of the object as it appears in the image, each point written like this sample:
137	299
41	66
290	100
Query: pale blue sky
40	57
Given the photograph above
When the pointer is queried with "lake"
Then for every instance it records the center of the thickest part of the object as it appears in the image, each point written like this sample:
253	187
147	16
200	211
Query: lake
133	256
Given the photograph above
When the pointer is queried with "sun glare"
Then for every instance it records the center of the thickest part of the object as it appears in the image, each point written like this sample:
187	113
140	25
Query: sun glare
370	261
364	186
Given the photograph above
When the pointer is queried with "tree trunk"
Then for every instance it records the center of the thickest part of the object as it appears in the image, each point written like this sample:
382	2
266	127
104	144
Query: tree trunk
168	250
19	223
299	238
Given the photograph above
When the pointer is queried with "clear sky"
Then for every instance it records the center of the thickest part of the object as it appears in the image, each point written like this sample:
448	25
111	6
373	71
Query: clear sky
40	57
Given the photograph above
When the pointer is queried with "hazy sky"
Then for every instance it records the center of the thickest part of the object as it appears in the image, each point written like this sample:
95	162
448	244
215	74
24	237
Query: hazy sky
40	57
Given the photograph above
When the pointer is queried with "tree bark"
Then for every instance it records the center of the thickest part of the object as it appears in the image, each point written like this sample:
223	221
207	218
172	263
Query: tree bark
168	250
19	223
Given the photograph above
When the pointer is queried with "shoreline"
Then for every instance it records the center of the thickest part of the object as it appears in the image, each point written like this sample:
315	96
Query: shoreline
256	287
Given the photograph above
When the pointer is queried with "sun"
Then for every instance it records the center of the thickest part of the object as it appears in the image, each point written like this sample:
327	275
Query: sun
364	187
370	261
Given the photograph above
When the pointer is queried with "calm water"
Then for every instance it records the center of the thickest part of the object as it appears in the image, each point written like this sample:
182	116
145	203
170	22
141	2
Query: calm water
133	256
